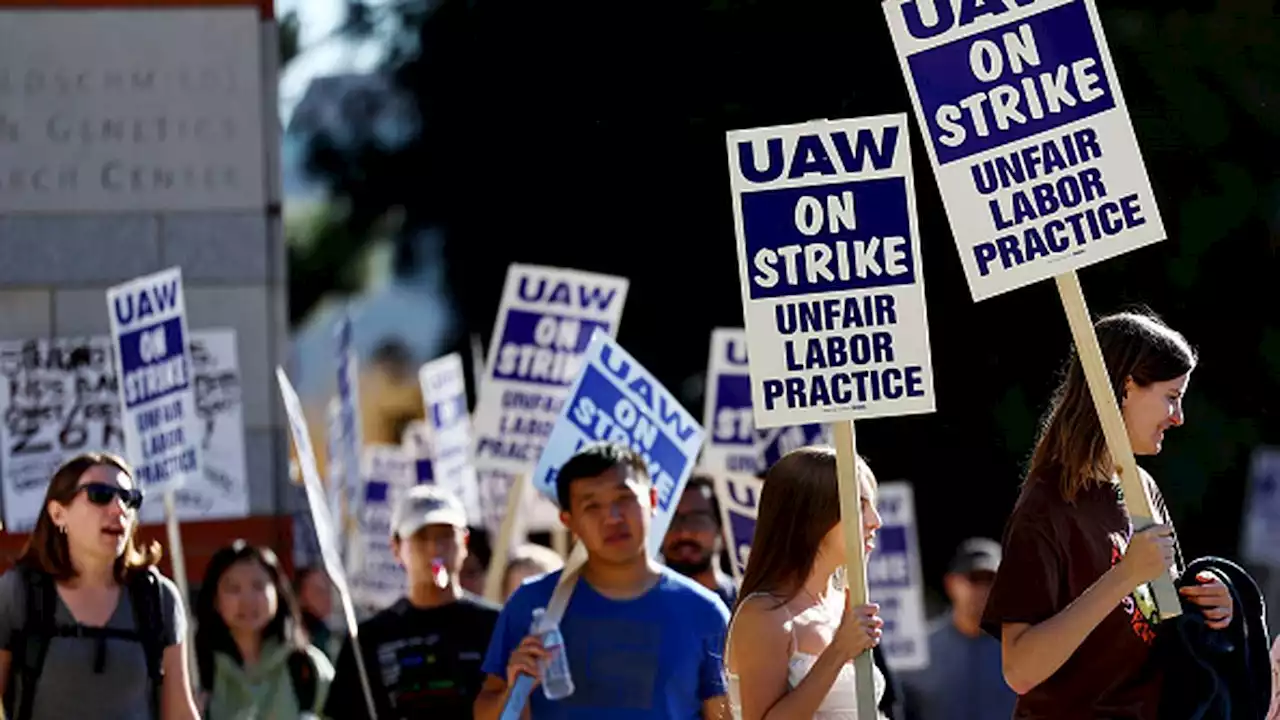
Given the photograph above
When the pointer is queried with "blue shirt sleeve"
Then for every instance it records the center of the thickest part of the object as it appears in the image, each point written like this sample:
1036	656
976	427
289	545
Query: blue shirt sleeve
711	681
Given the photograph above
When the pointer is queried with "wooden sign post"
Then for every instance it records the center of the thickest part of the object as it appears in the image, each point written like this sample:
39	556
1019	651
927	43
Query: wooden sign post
855	552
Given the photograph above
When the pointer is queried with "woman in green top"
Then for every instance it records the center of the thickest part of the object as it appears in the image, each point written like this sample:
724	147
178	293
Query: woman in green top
253	661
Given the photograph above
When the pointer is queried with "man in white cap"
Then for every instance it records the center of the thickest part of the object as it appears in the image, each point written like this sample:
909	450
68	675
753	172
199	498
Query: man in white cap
423	654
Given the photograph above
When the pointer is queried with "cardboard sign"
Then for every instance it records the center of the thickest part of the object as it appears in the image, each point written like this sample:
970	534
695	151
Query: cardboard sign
61	398
829	258
544	324
448	432
1028	134
386	472
733	443
739	497
156	384
616	399
731	429
776	442
895	581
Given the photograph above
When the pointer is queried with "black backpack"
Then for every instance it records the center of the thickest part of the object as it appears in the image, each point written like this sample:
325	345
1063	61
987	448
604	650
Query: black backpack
31	641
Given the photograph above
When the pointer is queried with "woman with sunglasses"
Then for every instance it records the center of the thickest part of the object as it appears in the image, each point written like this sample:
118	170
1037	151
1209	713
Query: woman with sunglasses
88	627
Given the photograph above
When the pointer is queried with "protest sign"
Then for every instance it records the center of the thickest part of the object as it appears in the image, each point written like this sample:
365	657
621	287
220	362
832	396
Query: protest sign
1262	513
61	398
544	323
731	430
895	581
739	497
829	259
833	293
386	472
156	387
617	400
733	443
349	440
1037	164
1029	136
448	432
157	393
326	536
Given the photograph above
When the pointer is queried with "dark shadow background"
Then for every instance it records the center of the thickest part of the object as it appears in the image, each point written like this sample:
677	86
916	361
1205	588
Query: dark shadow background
590	135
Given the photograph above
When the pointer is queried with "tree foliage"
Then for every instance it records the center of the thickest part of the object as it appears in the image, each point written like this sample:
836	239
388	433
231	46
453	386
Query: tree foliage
591	134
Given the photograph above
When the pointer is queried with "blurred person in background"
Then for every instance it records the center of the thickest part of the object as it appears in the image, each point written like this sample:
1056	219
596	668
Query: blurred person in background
423	653
964	680
695	540
315	602
88	627
528	561
253	655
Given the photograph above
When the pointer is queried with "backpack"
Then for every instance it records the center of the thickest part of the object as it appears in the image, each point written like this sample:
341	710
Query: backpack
1217	674
303	676
31	641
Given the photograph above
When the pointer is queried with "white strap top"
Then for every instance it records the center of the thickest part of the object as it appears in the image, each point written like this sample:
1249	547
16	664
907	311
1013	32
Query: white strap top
841	702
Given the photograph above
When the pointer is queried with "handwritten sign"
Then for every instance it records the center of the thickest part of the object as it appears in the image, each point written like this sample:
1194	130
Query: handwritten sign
739	497
1028	134
156	384
544	324
617	400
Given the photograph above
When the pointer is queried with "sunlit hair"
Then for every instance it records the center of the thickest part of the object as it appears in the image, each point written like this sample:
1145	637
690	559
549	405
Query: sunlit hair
47	550
212	633
799	505
1071	447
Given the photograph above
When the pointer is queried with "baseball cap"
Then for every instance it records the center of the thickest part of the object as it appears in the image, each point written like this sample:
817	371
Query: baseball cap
426	505
976	555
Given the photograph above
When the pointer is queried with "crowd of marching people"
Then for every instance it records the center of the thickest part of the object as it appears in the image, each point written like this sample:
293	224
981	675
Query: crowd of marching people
1054	622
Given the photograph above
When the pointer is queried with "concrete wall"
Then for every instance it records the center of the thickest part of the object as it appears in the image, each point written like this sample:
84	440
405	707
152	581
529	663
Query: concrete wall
55	268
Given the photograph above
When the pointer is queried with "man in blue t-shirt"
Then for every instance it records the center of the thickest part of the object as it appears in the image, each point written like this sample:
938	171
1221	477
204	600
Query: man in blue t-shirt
642	641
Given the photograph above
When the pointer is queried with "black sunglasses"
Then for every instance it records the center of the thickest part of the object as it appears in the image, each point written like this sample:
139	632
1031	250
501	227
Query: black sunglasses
101	494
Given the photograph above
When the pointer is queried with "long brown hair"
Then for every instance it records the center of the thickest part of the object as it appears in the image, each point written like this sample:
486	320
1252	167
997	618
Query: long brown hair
47	550
798	506
1135	346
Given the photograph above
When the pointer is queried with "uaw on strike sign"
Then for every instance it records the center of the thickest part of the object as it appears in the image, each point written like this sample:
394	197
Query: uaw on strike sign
829	256
1027	129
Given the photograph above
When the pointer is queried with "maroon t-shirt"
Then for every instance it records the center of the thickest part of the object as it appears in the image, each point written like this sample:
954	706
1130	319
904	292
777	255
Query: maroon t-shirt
1053	552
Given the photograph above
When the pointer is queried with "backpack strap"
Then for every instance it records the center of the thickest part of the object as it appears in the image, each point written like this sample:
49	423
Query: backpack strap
305	679
31	641
148	618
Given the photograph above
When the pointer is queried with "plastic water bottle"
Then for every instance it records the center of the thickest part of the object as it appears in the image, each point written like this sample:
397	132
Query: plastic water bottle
557	683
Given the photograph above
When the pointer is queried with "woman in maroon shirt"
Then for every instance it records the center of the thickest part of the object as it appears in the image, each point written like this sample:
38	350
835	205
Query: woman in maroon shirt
1071	603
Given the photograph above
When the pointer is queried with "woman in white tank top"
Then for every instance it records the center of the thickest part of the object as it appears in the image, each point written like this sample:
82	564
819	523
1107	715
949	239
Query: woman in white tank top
794	634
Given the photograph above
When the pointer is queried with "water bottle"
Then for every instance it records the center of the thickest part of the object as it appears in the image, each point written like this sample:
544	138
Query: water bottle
557	683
